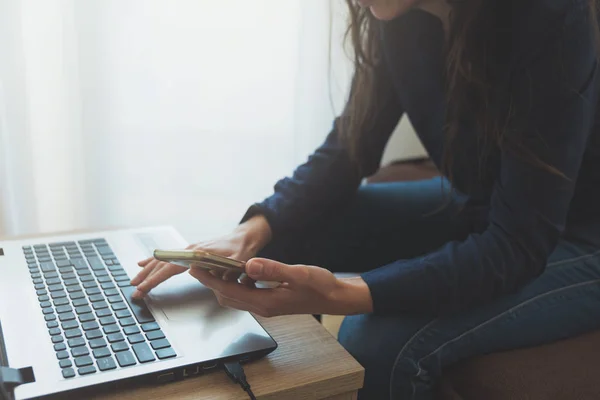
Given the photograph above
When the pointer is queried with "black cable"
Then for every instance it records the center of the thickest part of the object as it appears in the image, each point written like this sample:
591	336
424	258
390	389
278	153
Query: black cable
235	371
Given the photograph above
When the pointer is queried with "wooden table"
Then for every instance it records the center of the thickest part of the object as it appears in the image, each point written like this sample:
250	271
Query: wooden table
309	363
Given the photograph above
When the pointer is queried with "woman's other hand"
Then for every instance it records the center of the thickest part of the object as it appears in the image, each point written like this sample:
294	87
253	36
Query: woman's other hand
304	290
241	244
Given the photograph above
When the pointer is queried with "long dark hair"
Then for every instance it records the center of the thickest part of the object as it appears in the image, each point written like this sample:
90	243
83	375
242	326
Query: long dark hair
468	81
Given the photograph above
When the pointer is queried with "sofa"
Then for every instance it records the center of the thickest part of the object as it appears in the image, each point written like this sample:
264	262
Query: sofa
564	370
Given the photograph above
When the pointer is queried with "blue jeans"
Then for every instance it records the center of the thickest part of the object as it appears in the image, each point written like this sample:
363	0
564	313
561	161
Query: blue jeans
404	356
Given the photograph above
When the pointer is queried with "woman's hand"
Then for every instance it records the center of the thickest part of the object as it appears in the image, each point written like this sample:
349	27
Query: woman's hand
242	244
304	290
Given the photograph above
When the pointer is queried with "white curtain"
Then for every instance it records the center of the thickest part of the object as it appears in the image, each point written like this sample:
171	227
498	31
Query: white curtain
139	112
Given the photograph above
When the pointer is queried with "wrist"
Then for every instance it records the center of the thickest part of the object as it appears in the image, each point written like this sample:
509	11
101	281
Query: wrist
352	296
256	232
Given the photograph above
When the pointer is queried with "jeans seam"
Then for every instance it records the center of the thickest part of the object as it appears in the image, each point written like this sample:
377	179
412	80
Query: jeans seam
413	337
570	260
502	314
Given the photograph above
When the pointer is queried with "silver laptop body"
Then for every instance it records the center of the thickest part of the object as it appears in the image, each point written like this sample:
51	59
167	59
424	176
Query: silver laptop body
67	328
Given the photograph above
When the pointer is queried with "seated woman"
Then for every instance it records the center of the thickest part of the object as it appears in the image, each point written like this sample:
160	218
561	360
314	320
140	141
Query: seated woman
502	252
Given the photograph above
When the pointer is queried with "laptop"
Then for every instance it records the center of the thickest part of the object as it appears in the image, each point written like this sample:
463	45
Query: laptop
68	322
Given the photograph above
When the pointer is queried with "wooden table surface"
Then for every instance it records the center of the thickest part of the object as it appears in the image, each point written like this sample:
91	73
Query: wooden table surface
309	363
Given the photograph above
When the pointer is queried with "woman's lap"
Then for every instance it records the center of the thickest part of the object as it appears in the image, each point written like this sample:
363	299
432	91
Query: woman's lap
404	355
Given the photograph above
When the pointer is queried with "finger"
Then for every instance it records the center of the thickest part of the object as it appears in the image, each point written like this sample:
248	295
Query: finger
262	269
161	275
143	263
236	304
246	280
231	276
232	290
144	272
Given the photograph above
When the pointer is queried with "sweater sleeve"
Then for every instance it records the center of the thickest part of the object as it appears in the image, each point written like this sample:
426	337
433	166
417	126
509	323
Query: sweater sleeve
329	178
554	103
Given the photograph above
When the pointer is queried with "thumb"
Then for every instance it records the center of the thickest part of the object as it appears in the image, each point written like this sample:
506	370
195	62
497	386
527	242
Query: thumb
262	269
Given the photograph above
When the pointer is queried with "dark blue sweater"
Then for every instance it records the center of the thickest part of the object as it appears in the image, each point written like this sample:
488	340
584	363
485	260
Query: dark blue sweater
551	75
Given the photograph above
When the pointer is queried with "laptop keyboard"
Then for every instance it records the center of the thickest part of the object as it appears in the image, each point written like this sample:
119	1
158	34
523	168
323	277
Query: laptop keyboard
85	297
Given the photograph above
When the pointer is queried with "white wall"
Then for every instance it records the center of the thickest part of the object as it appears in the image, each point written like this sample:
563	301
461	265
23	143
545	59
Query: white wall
404	144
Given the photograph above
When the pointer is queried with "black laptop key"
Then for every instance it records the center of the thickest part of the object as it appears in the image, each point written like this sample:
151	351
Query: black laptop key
123	314
124	284
119	273
83	361
71	282
86	317
108	262
105	364
54	331
127	322
138	307
69	275
43	297
60	347
86	370
93	334
96	263
66	316
61	355
80	351
87	278
163	354
51	324
101	272
96	297
91	325
46	258
151	326
160	344
111	292
143	352
39	286
63	263
118	307
101	352
49	275
60	257
69	325
137	338
74	288
49	317
104	250
73	333
64	309
58	294
83	309
125	359
45	304
79	263
80	302
105	312
115	337
155	335
68	373
107	285
41	292
104	279
99	305
113	328
119	346
47	310
57	339
64	271
122	278
76	295
36	275
77	342
65	363
131	330
55	288
47	266
93	291
52	281
38	281
90	284
115	267
97	343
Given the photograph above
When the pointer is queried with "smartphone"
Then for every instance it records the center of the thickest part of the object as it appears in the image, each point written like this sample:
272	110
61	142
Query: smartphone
199	259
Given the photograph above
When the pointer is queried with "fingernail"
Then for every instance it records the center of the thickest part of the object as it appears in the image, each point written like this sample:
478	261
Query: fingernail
255	268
